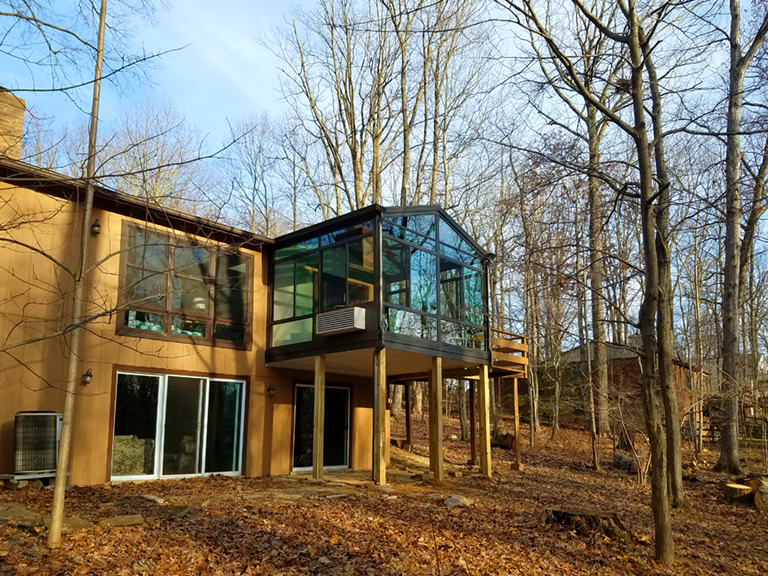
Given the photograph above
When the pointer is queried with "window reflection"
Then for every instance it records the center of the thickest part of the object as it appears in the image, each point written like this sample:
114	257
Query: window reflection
334	278
411	324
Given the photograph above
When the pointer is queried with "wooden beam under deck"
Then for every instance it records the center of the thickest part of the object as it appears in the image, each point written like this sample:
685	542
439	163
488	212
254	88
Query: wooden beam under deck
472	424
319	419
407	393
379	416
436	419
485	423
518	465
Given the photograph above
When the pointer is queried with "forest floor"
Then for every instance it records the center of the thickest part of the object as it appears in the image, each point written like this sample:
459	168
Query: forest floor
346	526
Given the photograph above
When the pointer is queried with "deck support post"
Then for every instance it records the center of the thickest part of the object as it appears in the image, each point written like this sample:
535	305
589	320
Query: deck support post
517	465
319	419
407	393
379	416
436	419
472	424
485	423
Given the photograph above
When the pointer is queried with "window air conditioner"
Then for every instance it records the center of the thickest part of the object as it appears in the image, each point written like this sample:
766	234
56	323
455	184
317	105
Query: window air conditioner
36	441
340	321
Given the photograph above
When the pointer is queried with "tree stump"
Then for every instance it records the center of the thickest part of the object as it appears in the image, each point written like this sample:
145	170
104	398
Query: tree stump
506	441
588	522
761	498
738	493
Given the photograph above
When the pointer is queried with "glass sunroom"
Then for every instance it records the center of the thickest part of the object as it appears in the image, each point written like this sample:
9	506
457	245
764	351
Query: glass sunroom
409	279
396	294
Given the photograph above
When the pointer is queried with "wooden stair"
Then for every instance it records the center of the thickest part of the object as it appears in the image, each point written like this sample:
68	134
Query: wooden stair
509	354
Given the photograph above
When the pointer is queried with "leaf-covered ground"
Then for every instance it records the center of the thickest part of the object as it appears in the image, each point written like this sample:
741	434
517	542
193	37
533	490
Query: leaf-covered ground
290	525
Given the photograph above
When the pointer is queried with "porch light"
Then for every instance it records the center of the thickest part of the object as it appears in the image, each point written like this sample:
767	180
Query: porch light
87	377
271	390
96	227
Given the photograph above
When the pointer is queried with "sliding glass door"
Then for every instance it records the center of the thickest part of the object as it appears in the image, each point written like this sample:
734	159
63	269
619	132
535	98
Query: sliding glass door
169	425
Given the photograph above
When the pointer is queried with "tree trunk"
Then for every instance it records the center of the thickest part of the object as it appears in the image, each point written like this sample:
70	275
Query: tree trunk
397	402
463	411
734	259
556	410
418	399
585	359
664	327
494	410
73	371
596	274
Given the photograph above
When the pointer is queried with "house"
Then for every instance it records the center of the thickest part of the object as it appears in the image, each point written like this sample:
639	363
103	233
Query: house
211	350
624	375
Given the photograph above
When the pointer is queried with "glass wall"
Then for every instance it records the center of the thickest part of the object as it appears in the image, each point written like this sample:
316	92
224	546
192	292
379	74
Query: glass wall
433	281
169	425
333	270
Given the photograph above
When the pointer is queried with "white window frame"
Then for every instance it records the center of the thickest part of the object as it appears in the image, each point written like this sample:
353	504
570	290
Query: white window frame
344	466
202	430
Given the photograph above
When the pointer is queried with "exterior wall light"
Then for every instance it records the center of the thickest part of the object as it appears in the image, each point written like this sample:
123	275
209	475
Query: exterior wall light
271	390
96	227
87	377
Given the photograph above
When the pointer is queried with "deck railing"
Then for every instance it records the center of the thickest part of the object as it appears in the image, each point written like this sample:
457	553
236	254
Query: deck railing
509	354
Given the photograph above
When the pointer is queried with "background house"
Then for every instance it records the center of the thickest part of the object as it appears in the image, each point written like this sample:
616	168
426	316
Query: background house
624	375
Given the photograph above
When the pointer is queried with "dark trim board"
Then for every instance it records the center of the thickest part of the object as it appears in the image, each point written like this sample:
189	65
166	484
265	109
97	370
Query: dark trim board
350	342
435	349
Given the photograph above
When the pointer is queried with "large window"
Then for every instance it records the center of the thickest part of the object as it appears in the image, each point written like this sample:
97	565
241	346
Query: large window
433	282
334	270
431	279
181	289
176	425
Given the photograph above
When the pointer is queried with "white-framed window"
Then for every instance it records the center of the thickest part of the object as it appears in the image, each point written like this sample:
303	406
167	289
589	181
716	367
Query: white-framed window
167	425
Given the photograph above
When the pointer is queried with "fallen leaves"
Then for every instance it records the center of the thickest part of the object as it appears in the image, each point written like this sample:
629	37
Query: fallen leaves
232	526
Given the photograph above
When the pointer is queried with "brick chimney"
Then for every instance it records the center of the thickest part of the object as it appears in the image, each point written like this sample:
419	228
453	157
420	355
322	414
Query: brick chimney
11	124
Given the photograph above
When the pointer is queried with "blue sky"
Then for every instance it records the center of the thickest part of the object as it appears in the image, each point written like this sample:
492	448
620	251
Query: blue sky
224	73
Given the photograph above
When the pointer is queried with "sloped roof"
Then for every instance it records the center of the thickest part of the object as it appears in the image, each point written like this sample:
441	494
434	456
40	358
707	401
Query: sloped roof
23	175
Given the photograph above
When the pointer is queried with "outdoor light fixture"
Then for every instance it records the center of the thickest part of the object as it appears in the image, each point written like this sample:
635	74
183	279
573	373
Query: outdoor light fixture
87	377
96	227
271	390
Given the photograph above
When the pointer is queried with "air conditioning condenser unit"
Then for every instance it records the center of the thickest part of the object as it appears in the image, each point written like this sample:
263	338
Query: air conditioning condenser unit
36	441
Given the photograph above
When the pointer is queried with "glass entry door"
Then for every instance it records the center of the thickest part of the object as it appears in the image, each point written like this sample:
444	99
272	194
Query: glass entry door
183	426
336	437
169	425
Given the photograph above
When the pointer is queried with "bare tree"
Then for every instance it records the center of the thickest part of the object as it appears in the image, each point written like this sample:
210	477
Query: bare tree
629	34
741	55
